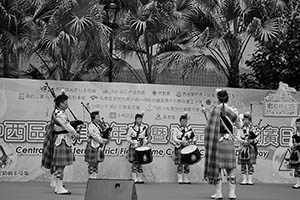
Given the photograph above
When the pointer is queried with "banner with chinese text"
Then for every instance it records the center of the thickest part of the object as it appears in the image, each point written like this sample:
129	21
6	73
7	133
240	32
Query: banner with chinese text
26	106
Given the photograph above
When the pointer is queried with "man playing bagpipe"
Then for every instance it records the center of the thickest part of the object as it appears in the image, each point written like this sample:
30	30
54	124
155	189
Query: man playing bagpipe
137	136
94	152
294	160
248	151
58	143
182	137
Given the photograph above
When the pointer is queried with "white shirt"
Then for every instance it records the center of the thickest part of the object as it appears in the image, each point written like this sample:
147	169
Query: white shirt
94	132
64	124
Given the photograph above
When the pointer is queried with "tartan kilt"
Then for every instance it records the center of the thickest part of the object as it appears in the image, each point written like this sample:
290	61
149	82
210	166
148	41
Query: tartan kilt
177	155
294	162
62	155
91	154
253	156
227	158
131	156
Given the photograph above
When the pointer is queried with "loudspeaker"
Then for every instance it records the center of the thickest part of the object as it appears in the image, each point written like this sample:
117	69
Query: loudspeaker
110	189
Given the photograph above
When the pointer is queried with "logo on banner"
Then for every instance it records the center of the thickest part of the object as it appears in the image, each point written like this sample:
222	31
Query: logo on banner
281	103
284	163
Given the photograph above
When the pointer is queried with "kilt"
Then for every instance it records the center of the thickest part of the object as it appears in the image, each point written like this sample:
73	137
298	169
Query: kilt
227	155
294	160
91	154
131	156
62	155
177	155
253	156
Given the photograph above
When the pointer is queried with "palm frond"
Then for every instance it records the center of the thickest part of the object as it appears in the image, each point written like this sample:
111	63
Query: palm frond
7	18
79	25
266	31
54	38
46	10
199	19
209	5
230	9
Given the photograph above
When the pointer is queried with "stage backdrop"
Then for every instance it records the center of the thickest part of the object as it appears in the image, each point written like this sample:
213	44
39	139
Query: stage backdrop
26	106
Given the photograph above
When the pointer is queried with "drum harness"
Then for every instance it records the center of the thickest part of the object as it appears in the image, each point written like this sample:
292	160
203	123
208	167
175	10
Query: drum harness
186	137
140	140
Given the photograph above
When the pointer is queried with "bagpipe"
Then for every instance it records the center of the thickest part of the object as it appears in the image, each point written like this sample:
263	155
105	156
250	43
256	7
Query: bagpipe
104	128
76	124
244	152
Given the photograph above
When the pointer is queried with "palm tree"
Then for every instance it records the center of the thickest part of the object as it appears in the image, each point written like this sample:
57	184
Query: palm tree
73	39
145	32
15	33
220	31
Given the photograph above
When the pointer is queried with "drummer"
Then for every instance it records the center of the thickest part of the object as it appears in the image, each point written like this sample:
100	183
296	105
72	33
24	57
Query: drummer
137	136
182	137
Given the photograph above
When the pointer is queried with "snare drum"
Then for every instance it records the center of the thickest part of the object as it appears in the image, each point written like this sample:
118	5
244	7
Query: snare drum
190	155
143	155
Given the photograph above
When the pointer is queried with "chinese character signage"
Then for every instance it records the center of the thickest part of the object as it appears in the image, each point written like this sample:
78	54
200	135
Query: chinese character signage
282	109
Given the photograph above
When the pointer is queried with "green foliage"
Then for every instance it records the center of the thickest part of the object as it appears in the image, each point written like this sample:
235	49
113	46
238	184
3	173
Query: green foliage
279	60
218	33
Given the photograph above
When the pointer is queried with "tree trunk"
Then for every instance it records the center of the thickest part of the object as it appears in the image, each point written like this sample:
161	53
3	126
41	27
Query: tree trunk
234	70
6	68
234	74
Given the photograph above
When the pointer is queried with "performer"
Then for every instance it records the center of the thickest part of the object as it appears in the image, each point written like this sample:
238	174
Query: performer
57	152
94	152
248	151
294	160
183	137
137	136
219	145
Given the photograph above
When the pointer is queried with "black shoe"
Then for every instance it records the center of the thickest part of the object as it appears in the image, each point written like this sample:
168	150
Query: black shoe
180	183
141	182
187	183
296	187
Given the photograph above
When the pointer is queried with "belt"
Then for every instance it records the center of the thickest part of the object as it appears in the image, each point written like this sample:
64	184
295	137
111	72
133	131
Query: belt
225	136
60	132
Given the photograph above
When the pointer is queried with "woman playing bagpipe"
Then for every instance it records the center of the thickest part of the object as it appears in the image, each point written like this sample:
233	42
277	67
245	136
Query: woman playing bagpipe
248	151
182	137
137	136
294	160
219	145
94	152
58	143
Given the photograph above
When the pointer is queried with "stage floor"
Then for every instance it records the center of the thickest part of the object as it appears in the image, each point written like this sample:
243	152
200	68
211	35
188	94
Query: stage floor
149	191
